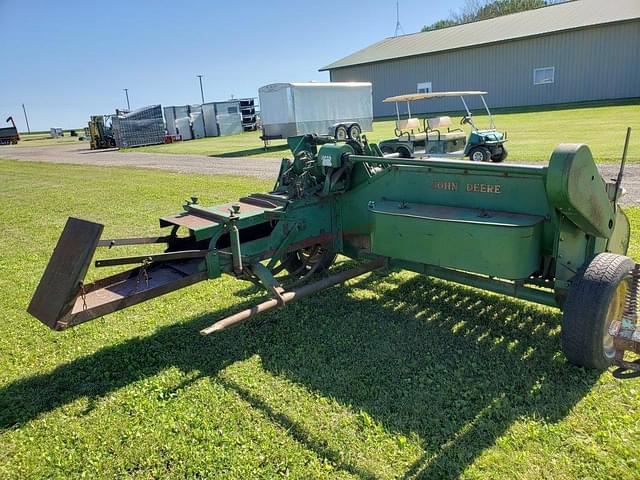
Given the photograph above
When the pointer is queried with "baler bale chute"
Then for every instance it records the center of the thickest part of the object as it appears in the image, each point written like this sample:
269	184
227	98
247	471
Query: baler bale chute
551	234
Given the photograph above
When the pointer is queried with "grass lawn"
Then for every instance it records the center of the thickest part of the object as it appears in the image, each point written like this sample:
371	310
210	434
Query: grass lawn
390	376
533	133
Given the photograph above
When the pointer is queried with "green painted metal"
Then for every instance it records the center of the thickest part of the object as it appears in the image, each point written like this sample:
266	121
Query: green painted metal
500	220
332	155
500	227
484	241
576	189
512	289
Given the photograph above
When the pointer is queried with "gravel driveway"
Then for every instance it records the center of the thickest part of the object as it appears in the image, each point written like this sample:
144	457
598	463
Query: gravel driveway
79	154
264	168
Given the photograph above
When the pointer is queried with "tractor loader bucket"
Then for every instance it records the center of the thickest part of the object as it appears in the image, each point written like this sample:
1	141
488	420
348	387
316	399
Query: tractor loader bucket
62	300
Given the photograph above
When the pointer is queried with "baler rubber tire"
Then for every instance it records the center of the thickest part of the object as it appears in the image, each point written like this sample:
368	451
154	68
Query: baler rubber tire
587	314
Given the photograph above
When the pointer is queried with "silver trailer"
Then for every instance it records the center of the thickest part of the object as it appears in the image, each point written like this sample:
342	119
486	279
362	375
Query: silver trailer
290	109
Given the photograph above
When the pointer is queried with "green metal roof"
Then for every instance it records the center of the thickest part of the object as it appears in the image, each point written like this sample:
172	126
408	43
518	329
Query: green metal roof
541	21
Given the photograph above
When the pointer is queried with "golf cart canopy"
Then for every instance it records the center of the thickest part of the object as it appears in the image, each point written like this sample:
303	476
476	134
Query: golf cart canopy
412	97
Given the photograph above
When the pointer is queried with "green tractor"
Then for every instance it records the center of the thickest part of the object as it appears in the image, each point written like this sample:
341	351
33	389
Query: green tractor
436	137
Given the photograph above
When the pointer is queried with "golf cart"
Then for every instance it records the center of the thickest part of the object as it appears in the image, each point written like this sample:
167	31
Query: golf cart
435	137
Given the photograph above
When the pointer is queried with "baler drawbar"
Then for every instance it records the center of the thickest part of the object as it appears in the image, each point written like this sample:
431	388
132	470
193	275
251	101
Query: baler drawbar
551	234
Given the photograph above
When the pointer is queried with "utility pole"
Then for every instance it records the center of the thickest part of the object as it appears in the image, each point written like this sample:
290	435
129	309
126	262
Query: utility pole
201	90
398	26
126	92
26	119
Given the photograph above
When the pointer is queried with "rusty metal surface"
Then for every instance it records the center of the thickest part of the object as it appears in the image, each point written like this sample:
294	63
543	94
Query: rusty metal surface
130	288
187	220
116	242
288	296
66	269
199	217
260	202
155	257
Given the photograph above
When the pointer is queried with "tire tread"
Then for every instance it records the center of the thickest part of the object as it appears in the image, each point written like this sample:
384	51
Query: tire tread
586	308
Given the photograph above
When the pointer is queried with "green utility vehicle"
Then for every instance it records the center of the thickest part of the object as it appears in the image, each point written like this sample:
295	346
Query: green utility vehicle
435	137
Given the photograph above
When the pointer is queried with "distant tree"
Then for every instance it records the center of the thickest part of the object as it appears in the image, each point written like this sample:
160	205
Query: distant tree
474	10
438	25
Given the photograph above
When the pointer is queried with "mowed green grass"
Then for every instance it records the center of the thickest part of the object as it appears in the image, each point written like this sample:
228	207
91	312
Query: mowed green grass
533	133
389	376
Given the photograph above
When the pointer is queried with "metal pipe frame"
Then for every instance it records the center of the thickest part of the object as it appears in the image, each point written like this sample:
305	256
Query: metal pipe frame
510	169
504	287
286	297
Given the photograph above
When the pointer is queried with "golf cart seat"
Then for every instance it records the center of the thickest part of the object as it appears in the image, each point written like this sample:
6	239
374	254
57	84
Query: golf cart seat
435	129
410	128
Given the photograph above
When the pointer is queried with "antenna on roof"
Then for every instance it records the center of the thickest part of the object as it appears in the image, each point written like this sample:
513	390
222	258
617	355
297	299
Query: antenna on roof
398	26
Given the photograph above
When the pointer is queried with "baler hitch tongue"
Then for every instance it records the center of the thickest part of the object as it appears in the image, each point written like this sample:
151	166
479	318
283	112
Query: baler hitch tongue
63	300
626	331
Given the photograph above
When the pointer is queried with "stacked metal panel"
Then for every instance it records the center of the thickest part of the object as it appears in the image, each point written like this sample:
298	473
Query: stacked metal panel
211	119
210	122
197	121
144	126
228	117
249	117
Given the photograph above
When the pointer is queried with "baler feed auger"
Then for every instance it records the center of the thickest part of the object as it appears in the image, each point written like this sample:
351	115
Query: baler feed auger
551	234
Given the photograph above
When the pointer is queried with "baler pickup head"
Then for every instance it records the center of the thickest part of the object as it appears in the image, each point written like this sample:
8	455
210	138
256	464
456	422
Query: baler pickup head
63	300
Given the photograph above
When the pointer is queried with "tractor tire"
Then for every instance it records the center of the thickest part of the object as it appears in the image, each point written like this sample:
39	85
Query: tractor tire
480	154
341	133
595	299
354	131
501	156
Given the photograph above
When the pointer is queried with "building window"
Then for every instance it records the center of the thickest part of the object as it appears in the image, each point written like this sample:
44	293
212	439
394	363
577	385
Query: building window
424	87
543	75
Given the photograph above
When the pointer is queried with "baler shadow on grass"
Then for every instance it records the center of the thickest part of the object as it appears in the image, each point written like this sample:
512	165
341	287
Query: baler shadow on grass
419	356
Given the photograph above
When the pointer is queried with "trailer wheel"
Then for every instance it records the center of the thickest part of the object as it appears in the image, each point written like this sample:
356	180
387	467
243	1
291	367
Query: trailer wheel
479	154
341	133
354	131
500	157
596	298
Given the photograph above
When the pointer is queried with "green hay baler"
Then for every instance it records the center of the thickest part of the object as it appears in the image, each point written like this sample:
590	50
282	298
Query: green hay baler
551	234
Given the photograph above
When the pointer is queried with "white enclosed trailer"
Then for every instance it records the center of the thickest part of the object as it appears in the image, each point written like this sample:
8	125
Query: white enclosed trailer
290	109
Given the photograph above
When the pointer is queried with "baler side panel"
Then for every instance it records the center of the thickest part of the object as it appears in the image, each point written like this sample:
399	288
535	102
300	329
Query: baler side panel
488	192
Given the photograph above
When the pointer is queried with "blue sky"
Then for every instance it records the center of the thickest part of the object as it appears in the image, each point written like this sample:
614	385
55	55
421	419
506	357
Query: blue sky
67	60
